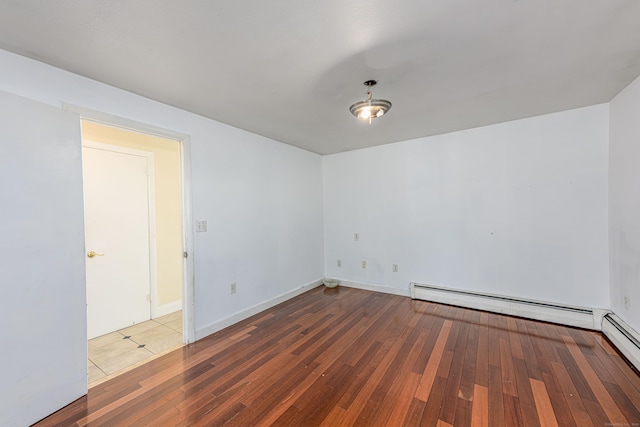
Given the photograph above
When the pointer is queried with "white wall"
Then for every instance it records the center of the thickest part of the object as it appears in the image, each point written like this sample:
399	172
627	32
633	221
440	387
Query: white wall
263	203
262	199
624	204
518	208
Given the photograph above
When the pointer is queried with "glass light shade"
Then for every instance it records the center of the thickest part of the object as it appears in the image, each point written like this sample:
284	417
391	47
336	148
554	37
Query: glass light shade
371	108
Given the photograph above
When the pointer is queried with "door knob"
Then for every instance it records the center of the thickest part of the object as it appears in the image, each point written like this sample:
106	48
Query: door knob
91	254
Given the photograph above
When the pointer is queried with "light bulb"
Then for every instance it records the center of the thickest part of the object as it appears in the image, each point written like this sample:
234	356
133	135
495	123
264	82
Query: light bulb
366	113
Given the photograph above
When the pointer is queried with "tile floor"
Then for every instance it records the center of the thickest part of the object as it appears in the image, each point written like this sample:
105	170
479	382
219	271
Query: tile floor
114	353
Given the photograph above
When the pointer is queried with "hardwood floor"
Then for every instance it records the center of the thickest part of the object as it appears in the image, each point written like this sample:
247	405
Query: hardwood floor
343	356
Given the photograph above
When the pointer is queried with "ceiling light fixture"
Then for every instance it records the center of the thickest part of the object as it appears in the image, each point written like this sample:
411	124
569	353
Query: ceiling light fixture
370	108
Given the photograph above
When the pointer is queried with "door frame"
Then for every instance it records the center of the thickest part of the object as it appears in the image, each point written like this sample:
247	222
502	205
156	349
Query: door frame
151	209
184	141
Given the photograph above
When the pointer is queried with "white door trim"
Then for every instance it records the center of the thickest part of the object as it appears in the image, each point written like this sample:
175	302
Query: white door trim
188	284
151	200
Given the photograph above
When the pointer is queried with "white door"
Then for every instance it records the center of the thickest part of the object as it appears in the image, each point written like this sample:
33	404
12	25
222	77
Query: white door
116	197
44	348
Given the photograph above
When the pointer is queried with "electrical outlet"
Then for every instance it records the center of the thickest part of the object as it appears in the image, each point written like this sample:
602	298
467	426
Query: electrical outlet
627	303
339	263
356	237
232	288
395	268
201	226
364	264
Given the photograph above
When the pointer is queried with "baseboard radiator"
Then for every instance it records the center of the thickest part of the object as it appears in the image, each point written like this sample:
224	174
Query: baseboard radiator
549	312
626	340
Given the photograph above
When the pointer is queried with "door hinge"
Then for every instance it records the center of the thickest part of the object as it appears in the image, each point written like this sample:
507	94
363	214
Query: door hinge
185	254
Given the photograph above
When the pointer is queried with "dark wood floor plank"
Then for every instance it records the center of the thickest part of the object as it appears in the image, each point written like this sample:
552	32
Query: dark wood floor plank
369	386
402	405
482	358
508	371
374	331
431	410
467	381
415	415
319	355
445	364
571	395
379	408
514	338
561	409
596	413
496	397
629	383
263	380
531	359
430	370
356	385
494	339
630	411
328	389
577	376
463	412
512	412
552	339
632	374
603	397
544	409
123	415
539	347
344	356
525	395
435	326
448	406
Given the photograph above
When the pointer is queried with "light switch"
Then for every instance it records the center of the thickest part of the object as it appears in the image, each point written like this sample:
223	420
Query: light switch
201	226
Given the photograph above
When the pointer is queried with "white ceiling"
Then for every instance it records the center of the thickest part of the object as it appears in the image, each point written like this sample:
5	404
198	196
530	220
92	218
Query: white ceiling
290	69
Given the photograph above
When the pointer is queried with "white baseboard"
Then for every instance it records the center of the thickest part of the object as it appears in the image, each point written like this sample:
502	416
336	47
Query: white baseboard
581	317
623	337
241	315
164	309
375	288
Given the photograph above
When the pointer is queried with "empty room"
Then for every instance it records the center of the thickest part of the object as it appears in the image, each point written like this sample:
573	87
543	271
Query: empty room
320	213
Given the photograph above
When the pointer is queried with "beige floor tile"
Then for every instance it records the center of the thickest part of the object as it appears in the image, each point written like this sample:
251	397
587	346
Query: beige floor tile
112	353
95	373
101	354
164	344
140	327
158	339
176	325
124	360
158	331
105	340
169	317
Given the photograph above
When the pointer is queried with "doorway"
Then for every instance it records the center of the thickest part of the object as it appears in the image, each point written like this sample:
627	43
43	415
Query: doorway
134	243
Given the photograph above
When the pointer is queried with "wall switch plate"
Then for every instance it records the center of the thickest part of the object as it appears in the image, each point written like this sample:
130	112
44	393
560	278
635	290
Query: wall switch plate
201	226
356	237
364	264
395	268
339	263
232	288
